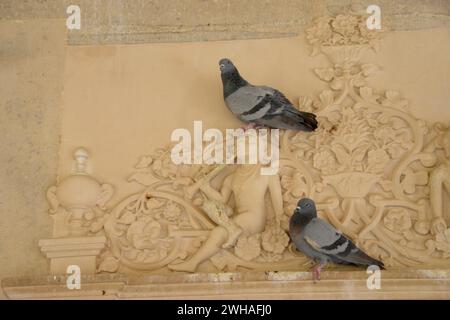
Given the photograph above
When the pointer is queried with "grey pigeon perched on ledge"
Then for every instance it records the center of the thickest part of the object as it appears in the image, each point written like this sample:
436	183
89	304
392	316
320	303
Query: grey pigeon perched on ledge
261	106
318	240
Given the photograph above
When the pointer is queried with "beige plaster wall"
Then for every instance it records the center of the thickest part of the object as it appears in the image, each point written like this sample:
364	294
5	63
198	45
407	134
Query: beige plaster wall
31	60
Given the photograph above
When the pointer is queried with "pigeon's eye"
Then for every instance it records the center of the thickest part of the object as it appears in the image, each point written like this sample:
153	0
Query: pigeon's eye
308	205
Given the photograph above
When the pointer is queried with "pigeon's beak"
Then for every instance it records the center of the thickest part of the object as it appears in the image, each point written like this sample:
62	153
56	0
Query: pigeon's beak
221	66
297	210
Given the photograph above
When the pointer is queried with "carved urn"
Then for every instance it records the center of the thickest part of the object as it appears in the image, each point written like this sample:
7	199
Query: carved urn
81	199
77	206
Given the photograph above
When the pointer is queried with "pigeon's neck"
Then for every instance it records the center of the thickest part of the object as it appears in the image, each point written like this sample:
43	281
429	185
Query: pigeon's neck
232	81
301	219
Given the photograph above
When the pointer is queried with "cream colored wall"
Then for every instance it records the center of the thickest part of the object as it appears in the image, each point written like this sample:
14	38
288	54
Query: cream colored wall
31	64
123	101
417	64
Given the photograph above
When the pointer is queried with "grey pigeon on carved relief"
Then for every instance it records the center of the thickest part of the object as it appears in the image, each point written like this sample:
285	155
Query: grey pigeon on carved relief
321	242
261	106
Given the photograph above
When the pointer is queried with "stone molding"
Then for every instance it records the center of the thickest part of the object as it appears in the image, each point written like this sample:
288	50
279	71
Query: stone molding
63	252
395	284
145	21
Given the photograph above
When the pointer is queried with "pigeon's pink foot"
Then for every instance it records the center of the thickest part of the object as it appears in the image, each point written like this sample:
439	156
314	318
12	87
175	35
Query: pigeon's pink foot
261	127
316	272
253	125
250	125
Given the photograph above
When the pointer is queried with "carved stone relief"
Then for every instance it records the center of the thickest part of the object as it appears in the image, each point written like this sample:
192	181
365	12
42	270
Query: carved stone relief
78	208
375	171
77	203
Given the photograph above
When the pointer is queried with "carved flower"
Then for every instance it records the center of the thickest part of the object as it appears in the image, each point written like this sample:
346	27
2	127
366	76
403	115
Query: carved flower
164	168
397	220
274	240
325	161
443	241
385	133
350	140
320	31
377	160
393	99
147	241
144	234
294	184
248	248
337	39
345	25
172	211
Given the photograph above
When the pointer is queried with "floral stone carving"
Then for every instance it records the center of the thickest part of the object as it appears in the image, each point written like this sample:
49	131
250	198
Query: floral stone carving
191	226
375	171
372	167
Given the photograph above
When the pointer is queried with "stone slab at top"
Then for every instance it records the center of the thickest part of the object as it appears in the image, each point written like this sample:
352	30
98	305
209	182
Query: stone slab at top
144	21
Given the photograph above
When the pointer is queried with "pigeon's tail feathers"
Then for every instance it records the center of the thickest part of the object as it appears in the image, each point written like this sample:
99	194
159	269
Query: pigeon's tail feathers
309	119
377	263
360	258
291	118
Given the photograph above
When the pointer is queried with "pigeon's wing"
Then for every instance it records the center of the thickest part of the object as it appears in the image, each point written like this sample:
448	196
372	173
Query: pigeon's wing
279	97
324	238
283	115
247	101
269	107
251	103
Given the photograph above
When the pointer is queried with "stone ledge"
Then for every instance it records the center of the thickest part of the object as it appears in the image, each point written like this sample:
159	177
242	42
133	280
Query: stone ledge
148	21
338	284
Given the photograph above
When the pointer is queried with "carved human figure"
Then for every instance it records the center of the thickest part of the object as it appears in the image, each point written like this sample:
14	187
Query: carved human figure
221	214
249	188
439	182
